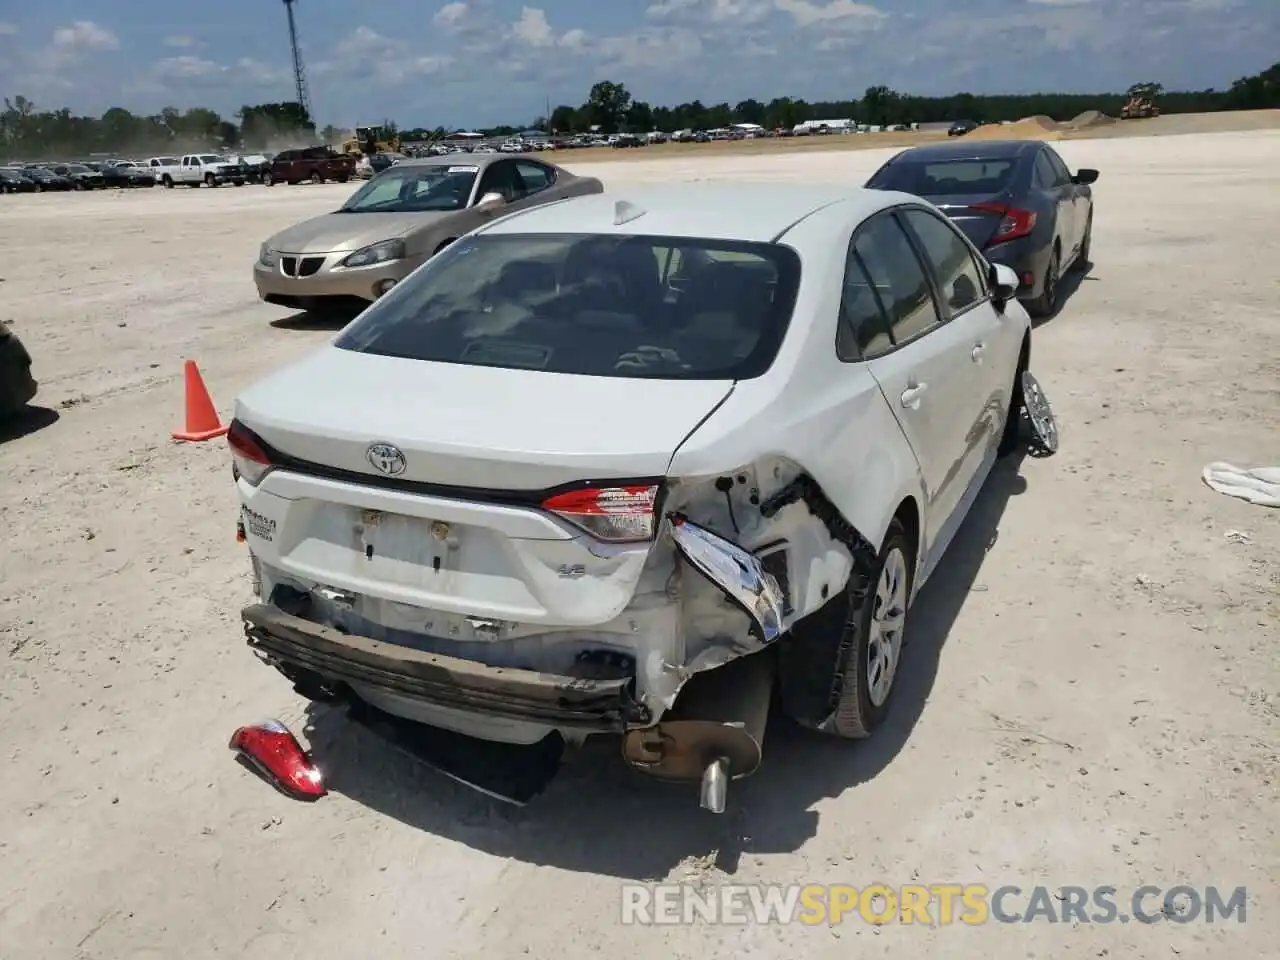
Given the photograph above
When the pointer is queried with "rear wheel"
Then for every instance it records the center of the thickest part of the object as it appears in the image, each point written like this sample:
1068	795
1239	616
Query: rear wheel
1082	261
316	178
849	652
268	179
1047	303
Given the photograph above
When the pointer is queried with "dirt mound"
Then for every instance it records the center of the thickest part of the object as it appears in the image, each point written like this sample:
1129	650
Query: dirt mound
1038	127
1089	120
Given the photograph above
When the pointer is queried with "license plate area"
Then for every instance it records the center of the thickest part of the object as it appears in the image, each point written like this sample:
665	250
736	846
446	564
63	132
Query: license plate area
398	539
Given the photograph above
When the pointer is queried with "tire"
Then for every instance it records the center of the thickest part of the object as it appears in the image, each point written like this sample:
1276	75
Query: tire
266	179
846	642
1011	436
343	179
316	178
167	181
210	181
1082	261
77	185
1045	305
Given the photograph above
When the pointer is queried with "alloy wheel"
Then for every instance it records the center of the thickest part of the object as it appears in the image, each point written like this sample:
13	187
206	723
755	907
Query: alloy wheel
884	642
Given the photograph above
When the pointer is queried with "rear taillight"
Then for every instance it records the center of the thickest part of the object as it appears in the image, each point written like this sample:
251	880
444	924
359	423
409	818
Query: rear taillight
1014	221
248	457
616	514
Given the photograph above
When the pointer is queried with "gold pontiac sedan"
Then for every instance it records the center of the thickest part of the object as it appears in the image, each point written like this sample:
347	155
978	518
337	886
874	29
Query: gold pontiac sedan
397	221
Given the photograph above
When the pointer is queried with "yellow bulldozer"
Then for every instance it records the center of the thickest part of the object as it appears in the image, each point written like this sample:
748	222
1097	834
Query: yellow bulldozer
370	140
1141	102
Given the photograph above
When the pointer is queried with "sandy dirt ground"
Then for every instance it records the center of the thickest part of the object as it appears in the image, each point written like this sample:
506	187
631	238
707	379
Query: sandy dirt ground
1092	693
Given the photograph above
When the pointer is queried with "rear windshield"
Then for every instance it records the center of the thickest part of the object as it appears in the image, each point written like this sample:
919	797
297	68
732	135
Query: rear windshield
941	178
415	189
605	306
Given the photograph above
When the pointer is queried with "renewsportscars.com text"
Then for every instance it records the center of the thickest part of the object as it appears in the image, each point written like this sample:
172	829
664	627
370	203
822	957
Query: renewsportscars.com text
941	904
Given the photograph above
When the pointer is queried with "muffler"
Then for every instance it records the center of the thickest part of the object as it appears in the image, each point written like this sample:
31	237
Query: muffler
713	733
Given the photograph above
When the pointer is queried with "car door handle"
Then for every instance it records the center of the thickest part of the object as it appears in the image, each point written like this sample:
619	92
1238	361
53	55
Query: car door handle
911	396
978	350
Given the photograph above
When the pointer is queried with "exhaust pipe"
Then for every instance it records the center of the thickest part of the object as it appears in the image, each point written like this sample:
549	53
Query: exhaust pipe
715	731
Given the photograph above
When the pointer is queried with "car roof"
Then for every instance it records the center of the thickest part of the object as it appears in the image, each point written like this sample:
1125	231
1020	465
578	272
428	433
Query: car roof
759	212
972	150
480	160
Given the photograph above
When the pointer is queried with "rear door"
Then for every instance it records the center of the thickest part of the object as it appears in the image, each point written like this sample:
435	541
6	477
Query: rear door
923	377
964	300
1060	190
1079	208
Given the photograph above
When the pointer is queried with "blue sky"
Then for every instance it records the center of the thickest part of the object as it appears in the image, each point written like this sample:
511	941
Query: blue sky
478	62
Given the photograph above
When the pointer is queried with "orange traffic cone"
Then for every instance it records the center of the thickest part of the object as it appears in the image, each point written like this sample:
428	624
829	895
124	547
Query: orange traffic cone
202	419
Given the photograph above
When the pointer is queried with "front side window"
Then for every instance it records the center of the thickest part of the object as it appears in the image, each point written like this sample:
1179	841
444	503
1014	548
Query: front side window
960	281
534	176
1062	175
896	272
1046	176
591	305
413	189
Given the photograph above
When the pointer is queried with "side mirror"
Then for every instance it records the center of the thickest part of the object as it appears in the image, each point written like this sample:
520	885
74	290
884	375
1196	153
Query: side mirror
1084	177
491	199
1004	284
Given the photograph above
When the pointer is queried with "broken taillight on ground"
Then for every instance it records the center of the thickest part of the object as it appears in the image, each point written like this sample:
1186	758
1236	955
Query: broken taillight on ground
278	756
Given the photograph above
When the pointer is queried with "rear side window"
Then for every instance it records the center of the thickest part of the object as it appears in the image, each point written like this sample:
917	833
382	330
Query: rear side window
863	332
594	305
898	277
960	282
946	178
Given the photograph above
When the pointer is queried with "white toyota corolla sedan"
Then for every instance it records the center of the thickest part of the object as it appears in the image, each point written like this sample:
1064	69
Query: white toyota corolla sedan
634	463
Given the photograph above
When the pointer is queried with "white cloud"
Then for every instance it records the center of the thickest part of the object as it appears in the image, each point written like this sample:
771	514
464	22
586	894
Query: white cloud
450	14
84	35
365	53
8	29
665	8
738	11
532	28
179	42
186	68
574	39
806	13
1061	3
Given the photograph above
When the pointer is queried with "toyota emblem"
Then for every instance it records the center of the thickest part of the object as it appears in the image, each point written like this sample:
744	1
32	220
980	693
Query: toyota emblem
386	459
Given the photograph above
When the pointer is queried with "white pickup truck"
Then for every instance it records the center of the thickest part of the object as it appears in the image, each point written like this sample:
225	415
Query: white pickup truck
206	168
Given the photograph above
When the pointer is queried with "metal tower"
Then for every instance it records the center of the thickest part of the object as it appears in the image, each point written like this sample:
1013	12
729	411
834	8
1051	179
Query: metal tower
299	75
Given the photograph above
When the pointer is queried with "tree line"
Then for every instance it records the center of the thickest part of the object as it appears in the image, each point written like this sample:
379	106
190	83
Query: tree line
32	134
29	133
610	108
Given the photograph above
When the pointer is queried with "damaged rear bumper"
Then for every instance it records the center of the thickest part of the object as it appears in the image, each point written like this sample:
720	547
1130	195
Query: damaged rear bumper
313	655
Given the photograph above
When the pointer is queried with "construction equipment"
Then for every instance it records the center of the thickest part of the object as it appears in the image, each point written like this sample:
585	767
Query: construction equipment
299	74
1141	102
373	136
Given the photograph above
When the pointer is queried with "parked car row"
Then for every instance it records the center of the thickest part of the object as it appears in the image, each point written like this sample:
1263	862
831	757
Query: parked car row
305	165
791	441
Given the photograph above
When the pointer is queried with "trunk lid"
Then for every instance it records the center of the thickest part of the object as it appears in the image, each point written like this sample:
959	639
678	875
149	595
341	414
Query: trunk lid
478	427
479	565
978	225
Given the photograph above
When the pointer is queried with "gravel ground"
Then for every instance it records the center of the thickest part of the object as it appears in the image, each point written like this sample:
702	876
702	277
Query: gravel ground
1093	693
